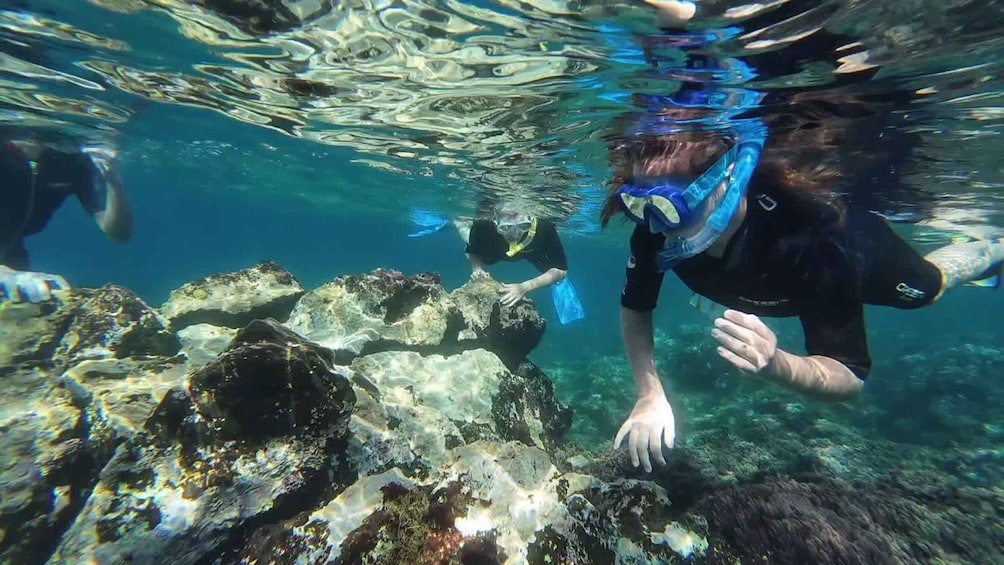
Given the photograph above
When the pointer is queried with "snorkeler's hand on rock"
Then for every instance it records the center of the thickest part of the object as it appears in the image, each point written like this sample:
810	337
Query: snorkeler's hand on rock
480	274
650	426
673	12
29	286
511	294
745	341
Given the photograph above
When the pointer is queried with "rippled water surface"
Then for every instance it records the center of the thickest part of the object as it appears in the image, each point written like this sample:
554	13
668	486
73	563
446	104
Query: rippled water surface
293	98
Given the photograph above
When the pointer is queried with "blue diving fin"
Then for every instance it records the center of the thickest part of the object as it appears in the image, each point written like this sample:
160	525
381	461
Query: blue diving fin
429	222
566	302
996	273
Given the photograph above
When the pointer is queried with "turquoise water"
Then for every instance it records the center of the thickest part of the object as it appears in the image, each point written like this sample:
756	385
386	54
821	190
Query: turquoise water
225	167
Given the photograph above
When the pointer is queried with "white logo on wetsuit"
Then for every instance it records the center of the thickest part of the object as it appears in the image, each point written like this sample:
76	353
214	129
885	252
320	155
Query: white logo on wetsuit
631	262
909	292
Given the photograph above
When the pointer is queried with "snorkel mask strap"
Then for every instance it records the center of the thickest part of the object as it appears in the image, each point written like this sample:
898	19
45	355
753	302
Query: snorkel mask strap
516	248
746	156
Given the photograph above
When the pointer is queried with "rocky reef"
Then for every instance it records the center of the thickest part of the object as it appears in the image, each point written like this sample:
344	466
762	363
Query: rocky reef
381	418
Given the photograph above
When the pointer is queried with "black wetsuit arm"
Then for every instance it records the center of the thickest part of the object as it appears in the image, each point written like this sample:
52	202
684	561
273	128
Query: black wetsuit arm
643	280
832	316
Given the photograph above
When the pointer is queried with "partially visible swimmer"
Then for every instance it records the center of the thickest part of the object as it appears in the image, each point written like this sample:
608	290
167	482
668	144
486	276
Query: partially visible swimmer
761	239
37	178
511	235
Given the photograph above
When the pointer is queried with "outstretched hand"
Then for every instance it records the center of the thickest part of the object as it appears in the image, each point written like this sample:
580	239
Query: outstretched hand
650	426
29	286
745	341
511	294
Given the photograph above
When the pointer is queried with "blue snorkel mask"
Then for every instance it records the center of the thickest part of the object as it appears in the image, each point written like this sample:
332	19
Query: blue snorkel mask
671	207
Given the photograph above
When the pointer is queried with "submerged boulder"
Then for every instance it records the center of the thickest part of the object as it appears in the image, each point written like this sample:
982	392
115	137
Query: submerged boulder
493	502
112	322
82	324
255	436
509	332
233	300
788	521
413	409
54	445
30	333
385	310
378	311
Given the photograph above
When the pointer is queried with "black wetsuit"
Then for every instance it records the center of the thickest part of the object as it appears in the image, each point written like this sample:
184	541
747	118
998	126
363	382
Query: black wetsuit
28	199
545	251
794	258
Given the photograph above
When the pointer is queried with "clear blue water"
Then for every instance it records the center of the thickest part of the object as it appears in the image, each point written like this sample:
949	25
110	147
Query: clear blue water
330	195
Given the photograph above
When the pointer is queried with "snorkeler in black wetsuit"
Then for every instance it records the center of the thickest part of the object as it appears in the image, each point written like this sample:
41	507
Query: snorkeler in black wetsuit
36	180
783	252
759	236
512	236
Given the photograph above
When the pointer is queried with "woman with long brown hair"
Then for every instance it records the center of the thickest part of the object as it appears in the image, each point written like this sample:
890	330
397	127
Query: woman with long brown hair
762	235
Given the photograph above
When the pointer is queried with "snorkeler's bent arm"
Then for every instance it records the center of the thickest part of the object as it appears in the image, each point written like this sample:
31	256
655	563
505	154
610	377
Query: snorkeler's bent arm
815	376
549	277
639	345
106	202
475	262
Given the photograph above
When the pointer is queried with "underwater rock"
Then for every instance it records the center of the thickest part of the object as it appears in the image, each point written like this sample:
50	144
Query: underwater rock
413	409
386	310
112	322
379	311
233	300
492	503
786	521
201	343
54	445
253	439
125	392
526	399
511	333
30	333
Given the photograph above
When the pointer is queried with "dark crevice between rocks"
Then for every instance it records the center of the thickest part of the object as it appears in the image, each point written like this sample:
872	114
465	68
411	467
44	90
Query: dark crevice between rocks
551	547
278	309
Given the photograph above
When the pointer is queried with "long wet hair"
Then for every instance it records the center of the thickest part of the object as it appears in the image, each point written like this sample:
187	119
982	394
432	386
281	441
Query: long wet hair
824	149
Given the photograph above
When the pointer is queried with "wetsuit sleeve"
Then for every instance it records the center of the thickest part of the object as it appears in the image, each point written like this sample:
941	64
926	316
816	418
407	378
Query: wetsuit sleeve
548	252
832	311
15	256
15	196
480	240
643	279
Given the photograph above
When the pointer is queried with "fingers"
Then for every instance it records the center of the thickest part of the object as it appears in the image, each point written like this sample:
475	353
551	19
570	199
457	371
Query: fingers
751	322
669	437
633	445
655	447
36	290
641	446
739	362
736	330
57	282
10	291
625	428
748	352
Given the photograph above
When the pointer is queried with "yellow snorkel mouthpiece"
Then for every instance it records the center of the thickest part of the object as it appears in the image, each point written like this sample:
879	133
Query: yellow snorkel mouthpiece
512	234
